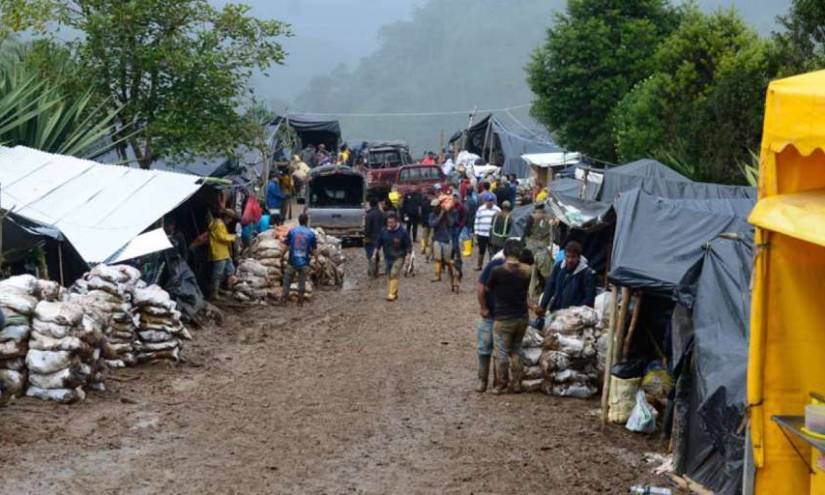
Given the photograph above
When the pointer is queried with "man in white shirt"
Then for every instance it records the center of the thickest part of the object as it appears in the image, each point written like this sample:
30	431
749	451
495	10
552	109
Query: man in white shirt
484	224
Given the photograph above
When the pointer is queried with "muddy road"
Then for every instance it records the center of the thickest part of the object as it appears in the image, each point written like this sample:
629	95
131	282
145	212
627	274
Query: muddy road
350	395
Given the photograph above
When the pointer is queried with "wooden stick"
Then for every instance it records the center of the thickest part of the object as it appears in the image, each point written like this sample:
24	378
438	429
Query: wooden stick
620	325
608	359
632	329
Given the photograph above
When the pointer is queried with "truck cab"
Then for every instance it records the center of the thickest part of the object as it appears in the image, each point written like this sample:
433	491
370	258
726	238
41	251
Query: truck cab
334	200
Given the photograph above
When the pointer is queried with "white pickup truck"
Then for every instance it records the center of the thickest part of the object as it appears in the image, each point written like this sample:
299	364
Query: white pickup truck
334	199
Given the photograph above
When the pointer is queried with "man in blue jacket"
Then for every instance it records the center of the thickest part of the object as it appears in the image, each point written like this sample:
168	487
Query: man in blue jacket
397	246
275	200
572	282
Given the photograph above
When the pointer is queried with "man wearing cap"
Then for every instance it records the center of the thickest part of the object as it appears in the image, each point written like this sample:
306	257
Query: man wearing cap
483	225
501	228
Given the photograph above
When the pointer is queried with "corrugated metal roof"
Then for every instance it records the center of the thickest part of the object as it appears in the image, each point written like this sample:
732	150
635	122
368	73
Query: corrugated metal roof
98	208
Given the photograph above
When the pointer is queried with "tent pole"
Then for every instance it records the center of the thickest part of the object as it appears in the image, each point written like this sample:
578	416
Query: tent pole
469	125
60	261
441	156
634	320
608	359
620	325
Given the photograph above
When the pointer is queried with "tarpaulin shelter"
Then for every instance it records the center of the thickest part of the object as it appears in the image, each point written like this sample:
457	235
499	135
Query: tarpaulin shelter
312	131
660	180
710	350
100	209
657	240
786	360
501	145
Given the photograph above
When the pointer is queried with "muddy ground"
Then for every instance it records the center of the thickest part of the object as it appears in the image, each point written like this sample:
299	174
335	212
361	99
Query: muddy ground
350	395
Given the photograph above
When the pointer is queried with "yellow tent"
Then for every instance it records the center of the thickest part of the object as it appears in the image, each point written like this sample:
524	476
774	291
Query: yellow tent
787	341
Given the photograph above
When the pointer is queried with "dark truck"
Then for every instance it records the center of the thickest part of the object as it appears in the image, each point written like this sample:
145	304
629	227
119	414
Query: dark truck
334	200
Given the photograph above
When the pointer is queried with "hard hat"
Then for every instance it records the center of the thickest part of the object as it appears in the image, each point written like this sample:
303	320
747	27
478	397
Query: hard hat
395	198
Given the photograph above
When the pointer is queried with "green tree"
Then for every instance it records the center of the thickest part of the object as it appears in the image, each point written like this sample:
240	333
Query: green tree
802	43
39	111
178	69
701	111
594	53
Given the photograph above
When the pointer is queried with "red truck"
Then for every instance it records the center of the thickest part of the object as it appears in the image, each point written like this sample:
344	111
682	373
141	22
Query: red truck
406	179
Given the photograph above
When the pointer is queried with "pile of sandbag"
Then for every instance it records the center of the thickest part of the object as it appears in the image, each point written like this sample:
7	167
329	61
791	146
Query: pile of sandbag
253	281
566	359
17	301
107	290
327	267
64	354
160	329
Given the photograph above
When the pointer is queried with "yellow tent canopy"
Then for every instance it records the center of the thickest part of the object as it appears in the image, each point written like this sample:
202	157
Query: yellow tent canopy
787	340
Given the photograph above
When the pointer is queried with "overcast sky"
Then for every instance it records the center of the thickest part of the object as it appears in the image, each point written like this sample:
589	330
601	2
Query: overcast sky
332	32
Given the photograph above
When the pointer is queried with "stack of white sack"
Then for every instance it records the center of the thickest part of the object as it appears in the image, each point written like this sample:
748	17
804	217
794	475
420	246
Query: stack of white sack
531	350
270	252
64	353
327	266
108	290
253	282
574	346
159	326
18	298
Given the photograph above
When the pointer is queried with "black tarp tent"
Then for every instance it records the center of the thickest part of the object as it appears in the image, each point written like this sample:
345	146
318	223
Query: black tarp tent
658	179
710	350
311	130
657	240
501	145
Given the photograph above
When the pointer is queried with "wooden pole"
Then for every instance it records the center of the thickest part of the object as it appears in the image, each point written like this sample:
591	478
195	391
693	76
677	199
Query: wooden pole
608	359
620	325
632	330
60	261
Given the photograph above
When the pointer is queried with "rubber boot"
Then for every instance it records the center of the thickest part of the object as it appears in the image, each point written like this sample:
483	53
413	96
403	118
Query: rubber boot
437	272
502	378
483	371
392	290
516	373
422	246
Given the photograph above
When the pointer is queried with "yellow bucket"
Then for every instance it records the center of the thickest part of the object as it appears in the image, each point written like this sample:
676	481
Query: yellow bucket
468	248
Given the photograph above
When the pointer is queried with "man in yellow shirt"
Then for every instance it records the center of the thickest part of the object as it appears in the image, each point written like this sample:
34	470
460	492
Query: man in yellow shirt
220	243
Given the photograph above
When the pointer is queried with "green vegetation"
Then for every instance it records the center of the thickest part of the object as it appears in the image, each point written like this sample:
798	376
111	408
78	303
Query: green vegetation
177	70
691	94
37	112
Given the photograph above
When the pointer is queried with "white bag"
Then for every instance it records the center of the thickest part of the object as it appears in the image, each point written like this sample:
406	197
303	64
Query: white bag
643	416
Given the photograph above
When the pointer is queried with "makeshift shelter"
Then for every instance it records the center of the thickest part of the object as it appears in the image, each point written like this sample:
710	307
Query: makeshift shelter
502	146
657	240
710	348
312	131
786	360
102	210
660	180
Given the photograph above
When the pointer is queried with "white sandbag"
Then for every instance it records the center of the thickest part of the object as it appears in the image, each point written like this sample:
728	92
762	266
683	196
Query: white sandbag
622	398
531	385
571	346
114	363
551	361
117	274
532	338
21	284
13	382
15	364
531	355
578	391
152	296
45	362
154	336
62	313
48	290
17	301
268	243
64	395
253	267
16	333
533	373
170	355
43	342
13	348
570	376
54	330
72	377
99	284
157	346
